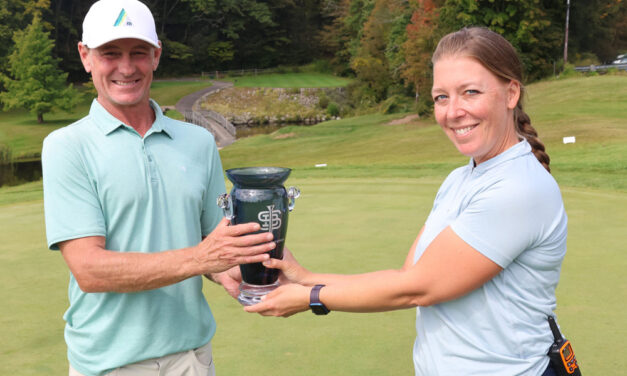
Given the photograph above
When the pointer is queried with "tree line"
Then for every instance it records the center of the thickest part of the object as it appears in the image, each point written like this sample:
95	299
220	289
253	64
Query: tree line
385	44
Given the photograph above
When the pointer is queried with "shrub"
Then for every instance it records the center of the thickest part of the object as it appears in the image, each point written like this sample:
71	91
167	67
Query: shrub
322	66
323	101
569	71
333	109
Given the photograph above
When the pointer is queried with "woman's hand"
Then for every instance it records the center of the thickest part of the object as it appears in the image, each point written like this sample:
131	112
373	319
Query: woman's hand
291	270
285	301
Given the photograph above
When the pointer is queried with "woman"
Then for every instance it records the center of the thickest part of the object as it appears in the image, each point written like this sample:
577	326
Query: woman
484	268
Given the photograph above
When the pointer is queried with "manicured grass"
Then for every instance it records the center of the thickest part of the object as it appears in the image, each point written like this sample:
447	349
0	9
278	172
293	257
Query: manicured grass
290	80
168	92
362	213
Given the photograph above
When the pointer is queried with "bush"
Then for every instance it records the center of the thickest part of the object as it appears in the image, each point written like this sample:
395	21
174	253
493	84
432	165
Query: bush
322	66
569	71
333	109
323	101
397	103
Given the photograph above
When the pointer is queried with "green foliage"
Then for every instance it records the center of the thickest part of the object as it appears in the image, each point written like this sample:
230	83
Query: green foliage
177	51
598	26
569	71
37	84
397	104
15	16
418	48
221	51
333	109
531	27
5	154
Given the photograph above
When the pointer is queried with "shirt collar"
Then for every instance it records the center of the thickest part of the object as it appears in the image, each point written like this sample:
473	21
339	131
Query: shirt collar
518	150
108	123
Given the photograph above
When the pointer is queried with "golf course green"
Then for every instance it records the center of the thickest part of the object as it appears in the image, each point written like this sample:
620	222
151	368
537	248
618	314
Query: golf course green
360	212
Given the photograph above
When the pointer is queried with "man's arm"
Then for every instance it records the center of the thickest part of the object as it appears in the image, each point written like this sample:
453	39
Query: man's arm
97	269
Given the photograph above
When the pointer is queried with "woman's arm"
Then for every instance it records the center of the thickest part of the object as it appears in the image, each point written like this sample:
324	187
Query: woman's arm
449	268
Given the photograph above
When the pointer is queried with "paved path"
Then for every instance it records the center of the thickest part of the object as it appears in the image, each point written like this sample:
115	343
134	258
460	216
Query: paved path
188	102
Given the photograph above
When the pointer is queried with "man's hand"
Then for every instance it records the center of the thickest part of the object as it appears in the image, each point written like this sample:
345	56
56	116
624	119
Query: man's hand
228	246
229	279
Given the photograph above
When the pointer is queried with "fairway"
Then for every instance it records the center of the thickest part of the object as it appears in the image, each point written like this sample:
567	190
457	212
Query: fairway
361	213
290	80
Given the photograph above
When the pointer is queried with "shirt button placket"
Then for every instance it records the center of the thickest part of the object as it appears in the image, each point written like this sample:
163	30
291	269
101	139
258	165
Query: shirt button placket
152	167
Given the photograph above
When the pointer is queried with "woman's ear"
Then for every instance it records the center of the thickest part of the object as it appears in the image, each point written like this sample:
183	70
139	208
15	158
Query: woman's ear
513	94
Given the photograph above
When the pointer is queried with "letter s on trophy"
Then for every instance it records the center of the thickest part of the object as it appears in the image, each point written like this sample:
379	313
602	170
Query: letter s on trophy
258	195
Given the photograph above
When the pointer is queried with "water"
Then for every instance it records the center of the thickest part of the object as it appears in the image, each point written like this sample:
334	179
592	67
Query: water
20	172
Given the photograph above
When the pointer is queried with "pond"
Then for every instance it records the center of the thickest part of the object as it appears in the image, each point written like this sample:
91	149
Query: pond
20	172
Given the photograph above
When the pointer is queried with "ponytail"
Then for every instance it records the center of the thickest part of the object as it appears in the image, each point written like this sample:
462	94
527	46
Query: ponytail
524	128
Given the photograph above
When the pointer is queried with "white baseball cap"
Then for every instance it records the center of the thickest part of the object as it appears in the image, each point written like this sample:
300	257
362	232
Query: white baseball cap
109	20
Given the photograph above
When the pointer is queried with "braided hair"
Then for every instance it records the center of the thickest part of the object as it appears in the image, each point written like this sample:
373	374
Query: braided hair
497	55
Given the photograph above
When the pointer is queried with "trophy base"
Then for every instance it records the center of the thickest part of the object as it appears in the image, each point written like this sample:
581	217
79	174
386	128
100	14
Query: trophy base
251	294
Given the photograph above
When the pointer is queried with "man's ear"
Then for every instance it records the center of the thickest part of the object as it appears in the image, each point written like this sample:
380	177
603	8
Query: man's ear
157	56
83	52
513	94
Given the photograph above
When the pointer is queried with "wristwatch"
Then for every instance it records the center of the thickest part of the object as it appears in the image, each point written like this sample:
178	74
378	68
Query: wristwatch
315	304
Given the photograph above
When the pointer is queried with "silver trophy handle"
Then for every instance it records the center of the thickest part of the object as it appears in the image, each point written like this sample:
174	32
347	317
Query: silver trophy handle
226	204
292	193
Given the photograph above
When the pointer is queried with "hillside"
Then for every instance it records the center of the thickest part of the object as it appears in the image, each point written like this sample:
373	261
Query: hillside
590	108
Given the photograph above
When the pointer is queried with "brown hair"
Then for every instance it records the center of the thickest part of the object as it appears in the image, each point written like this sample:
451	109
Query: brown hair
497	55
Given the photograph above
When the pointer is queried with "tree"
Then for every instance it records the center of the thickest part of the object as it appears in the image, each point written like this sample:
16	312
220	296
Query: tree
530	26
37	83
418	48
379	54
599	26
14	15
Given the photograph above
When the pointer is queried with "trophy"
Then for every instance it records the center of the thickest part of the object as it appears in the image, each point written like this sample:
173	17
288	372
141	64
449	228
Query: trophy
258	195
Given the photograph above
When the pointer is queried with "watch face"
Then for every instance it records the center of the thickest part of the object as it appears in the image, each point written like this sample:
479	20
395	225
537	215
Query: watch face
319	308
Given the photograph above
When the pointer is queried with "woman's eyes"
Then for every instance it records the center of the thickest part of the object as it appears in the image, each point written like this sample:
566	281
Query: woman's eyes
438	98
471	92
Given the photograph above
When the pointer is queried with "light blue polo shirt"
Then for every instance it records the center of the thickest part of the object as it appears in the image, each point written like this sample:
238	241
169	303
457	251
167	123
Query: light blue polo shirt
150	194
510	209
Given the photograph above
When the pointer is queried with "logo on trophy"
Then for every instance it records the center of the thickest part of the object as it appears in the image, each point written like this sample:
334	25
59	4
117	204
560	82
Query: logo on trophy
258	195
270	219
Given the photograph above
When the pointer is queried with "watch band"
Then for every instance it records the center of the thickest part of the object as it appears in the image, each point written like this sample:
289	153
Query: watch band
315	304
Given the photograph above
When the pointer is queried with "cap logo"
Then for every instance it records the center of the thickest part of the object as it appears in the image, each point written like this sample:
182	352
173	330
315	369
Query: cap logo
123	19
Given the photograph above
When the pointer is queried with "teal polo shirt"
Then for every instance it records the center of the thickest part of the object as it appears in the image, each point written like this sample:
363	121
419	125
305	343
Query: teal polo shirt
143	194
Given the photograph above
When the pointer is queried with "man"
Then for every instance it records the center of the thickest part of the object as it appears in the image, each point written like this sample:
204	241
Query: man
130	201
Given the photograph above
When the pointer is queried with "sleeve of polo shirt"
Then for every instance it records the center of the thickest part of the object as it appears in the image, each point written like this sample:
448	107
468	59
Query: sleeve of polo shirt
502	221
212	214
71	205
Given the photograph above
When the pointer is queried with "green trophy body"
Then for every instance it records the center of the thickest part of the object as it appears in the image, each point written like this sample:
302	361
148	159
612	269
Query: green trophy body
258	195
